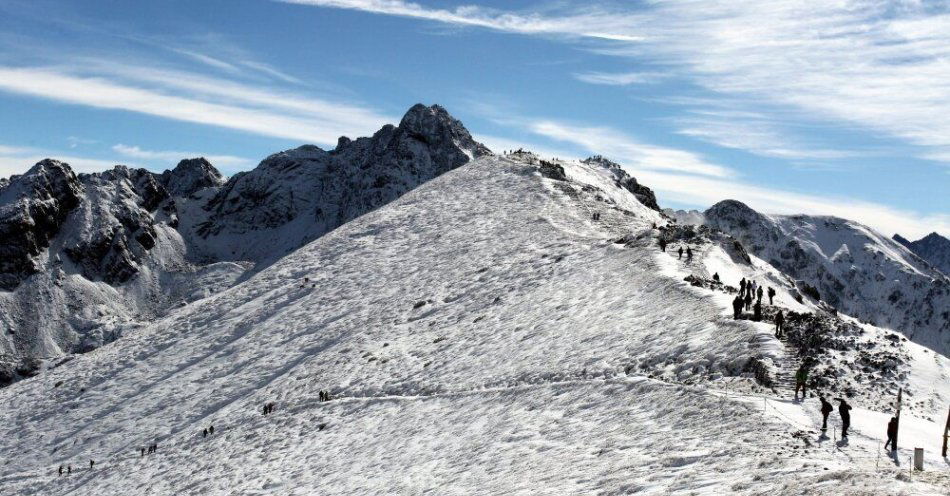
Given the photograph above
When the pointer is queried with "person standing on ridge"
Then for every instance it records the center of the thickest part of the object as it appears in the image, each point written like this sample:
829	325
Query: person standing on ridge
844	409
60	470
757	311
689	254
742	288
748	300
681	252
779	322
92	463
204	433
663	245
771	294
759	293
737	307
211	430
826	410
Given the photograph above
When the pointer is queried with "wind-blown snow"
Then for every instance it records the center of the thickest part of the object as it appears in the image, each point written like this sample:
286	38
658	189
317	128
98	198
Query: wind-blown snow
482	334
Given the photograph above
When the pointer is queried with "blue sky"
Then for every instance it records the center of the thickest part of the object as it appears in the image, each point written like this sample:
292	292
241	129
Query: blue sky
836	107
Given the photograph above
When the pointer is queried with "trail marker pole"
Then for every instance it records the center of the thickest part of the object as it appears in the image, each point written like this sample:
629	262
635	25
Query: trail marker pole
900	394
946	431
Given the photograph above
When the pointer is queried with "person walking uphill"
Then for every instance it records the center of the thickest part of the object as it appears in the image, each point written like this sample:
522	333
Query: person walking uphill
826	410
737	307
742	288
689	254
771	295
844	409
779	322
800	378
681	252
748	300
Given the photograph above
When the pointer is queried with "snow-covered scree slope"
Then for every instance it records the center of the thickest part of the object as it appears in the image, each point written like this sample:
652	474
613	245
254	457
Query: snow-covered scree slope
102	253
853	268
933	248
474	336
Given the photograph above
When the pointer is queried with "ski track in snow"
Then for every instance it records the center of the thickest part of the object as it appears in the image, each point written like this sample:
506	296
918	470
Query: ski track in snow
476	334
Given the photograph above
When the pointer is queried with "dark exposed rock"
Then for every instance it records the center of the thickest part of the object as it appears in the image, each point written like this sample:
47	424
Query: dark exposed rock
624	180
933	248
190	176
318	191
33	207
552	171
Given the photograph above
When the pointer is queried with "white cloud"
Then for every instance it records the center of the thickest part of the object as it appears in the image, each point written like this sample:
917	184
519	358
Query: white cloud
612	143
192	98
17	160
702	191
592	23
619	79
879	64
229	161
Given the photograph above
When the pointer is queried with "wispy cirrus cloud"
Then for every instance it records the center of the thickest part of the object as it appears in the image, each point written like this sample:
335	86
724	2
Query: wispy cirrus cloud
170	156
18	159
194	98
878	64
613	143
619	79
703	190
589	23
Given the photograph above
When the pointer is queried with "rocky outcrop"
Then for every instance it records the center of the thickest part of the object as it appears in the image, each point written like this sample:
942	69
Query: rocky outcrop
933	248
33	207
298	195
624	180
190	176
847	266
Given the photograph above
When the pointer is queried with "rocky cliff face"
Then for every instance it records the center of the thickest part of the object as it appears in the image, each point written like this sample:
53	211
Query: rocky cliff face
933	248
297	195
33	206
624	180
84	258
849	266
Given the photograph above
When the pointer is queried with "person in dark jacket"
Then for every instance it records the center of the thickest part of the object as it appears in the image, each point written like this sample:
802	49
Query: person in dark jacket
826	410
844	409
92	463
716	277
801	377
69	469
771	295
204	433
759	293
211	430
689	254
681	252
663	244
748	300
779	323
891	434
742	288
737	307
757	311
60	470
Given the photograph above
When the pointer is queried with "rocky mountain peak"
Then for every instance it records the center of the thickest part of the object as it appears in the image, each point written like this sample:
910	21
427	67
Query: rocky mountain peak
933	248
190	176
434	125
624	180
33	206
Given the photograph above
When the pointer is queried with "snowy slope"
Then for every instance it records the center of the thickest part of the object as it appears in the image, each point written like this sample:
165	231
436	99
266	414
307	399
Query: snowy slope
854	269
481	334
103	253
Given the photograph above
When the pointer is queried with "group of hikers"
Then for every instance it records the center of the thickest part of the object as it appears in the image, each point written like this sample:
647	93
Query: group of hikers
152	448
750	291
208	430
269	407
688	251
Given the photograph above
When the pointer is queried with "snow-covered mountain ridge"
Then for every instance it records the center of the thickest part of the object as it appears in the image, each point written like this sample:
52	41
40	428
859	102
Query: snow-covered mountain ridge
108	251
491	331
853	268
